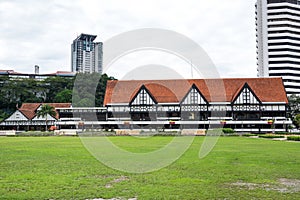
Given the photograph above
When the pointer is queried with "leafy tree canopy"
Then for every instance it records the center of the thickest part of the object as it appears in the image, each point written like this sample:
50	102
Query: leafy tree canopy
87	89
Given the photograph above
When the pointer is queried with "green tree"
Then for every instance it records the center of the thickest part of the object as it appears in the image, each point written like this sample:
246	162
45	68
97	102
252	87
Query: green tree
3	115
64	96
101	87
55	85
296	120
46	110
84	91
294	105
89	90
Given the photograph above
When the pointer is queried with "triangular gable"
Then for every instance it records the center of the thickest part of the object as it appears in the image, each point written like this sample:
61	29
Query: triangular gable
49	118
194	97
246	96
143	97
17	116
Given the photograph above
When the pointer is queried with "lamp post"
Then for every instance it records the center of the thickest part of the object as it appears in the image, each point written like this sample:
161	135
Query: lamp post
81	124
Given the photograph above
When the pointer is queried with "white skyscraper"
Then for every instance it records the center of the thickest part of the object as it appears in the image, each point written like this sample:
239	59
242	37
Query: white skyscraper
86	54
278	41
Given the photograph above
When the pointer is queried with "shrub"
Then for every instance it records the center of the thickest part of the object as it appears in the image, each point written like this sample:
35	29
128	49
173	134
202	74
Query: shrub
228	130
271	136
249	135
35	133
171	133
294	138
282	133
231	134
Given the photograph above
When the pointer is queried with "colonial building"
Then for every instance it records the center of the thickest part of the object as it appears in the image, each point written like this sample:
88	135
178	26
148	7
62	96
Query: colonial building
246	104
243	104
25	117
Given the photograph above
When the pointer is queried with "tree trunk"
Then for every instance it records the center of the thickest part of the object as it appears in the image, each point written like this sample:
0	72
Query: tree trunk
46	124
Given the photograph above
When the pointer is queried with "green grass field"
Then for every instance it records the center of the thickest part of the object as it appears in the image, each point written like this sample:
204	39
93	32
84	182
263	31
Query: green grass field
237	168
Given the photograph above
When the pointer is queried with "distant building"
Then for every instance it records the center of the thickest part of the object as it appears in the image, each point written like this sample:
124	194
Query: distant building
25	117
36	75
86	54
278	41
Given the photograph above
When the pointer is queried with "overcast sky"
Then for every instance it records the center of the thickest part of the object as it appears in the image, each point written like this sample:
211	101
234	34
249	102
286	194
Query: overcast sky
41	32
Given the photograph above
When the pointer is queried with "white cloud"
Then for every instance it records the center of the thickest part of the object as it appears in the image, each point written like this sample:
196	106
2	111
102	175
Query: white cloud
41	32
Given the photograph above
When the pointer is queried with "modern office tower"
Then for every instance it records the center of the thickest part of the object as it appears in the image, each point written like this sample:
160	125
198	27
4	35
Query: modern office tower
86	54
278	41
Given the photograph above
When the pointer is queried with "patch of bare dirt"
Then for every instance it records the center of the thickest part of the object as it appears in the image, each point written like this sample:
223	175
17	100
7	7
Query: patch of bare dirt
116	180
283	185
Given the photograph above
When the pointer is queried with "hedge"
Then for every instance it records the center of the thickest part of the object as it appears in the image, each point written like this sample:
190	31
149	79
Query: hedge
249	135
228	130
294	138
271	136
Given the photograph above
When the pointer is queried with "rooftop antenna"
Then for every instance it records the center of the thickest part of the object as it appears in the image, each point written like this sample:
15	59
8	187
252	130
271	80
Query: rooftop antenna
192	69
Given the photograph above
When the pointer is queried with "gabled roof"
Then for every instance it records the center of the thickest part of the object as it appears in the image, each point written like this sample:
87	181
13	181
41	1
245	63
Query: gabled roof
135	94
214	90
15	115
240	90
30	109
28	113
193	87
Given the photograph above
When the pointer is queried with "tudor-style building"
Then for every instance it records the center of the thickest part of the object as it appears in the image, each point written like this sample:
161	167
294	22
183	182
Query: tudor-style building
25	117
248	104
244	104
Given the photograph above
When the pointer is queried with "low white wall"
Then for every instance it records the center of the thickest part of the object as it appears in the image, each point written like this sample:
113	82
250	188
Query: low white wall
8	132
66	132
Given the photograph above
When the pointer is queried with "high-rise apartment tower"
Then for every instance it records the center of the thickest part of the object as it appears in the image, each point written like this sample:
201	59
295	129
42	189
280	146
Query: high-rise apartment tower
278	41
86	55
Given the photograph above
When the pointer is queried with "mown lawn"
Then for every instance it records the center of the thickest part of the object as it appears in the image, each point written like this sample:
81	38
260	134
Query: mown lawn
237	168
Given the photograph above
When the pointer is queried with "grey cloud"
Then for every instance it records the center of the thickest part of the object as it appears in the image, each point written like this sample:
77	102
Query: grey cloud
41	32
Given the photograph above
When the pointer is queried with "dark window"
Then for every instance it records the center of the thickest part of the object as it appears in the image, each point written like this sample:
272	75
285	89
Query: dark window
283	1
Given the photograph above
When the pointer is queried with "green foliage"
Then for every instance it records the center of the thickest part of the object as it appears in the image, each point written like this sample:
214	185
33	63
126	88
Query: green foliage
89	91
3	115
228	130
34	134
294	138
100	90
294	109
271	136
231	134
61	168
296	120
55	85
281	133
64	96
248	135
45	111
294	105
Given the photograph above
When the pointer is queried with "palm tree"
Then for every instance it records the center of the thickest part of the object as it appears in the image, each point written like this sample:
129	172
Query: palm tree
45	111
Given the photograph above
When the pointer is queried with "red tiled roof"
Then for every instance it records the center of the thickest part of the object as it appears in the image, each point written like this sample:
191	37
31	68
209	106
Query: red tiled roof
214	90
28	113
29	109
30	106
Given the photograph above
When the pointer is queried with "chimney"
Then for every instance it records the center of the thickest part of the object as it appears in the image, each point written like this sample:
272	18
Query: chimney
36	69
